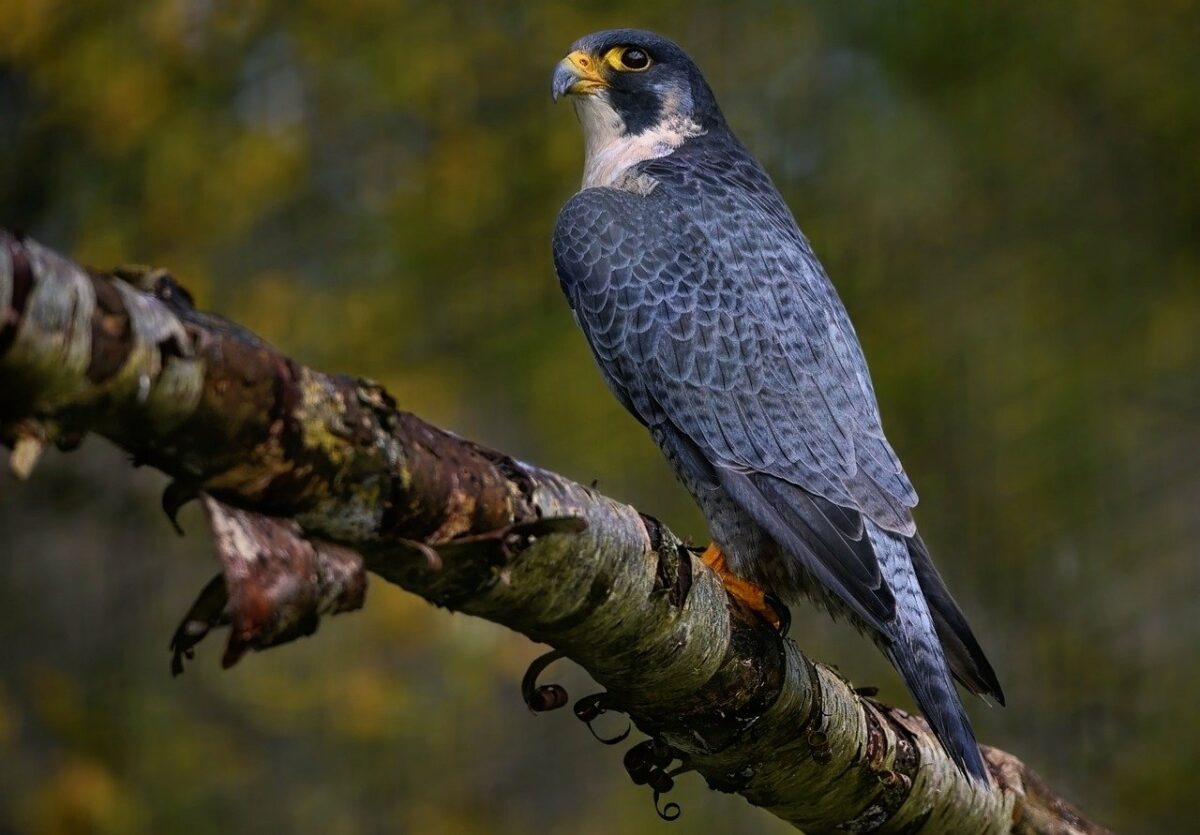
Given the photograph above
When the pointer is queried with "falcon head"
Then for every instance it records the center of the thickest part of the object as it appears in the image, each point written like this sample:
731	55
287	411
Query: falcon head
637	94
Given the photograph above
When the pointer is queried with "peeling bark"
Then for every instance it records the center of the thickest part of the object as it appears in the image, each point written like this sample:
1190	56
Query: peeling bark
311	479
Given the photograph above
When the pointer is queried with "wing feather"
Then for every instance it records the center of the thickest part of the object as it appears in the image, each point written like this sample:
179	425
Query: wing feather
729	333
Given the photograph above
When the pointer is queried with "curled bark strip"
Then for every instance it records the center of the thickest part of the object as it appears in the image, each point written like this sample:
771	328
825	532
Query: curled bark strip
647	764
540	698
670	812
590	708
340	586
278	583
292	459
208	612
341	578
174	497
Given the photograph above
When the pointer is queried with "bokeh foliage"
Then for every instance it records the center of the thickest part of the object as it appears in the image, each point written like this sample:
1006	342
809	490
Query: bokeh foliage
1007	195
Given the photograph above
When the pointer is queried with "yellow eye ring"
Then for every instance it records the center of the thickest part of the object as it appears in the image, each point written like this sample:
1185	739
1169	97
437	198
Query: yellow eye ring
628	59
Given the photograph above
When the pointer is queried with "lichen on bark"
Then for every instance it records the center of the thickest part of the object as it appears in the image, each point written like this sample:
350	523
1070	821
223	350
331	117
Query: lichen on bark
310	480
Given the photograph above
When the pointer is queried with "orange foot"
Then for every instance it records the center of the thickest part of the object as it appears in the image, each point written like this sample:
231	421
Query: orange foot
745	592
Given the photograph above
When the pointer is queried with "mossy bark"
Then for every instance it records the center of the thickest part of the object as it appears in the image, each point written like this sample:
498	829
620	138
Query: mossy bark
310	479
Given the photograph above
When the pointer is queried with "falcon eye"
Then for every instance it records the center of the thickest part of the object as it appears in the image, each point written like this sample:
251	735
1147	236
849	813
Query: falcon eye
634	59
628	59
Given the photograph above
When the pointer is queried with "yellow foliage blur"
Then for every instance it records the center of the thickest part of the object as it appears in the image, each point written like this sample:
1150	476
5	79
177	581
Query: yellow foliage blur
1006	196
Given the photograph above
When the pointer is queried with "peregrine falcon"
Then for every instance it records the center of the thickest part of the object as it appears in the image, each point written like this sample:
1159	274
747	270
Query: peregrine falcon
715	325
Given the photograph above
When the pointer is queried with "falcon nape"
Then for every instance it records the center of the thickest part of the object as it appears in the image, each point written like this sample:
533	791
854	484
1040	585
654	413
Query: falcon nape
715	325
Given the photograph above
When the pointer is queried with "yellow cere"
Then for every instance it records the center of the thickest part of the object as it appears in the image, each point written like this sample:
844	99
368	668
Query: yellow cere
589	70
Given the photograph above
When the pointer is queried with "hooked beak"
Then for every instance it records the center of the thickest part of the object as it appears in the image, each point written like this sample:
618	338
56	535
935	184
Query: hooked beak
576	75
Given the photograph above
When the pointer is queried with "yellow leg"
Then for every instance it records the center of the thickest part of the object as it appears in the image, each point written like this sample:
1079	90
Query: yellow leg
743	591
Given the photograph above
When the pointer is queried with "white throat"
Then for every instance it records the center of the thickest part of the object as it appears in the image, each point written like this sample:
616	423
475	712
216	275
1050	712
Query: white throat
609	152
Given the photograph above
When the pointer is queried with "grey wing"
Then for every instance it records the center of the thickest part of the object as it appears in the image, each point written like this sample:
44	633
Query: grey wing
737	342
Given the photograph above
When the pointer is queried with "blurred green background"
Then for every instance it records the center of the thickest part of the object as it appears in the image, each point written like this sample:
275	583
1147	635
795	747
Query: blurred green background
1006	194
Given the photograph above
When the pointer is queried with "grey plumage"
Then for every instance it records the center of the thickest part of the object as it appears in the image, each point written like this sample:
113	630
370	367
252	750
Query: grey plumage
715	325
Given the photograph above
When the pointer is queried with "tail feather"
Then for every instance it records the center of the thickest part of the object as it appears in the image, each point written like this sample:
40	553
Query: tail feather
885	579
916	652
967	660
940	705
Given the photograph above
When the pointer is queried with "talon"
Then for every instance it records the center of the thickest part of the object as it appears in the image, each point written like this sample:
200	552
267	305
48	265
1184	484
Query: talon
782	612
753	597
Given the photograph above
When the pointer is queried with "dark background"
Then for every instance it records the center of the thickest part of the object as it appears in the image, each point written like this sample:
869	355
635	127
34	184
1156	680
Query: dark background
1006	194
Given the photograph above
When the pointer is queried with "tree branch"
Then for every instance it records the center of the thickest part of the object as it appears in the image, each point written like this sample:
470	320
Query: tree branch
308	479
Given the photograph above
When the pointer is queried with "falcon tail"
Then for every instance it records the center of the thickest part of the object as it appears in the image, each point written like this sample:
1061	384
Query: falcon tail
934	693
915	649
886	586
967	661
